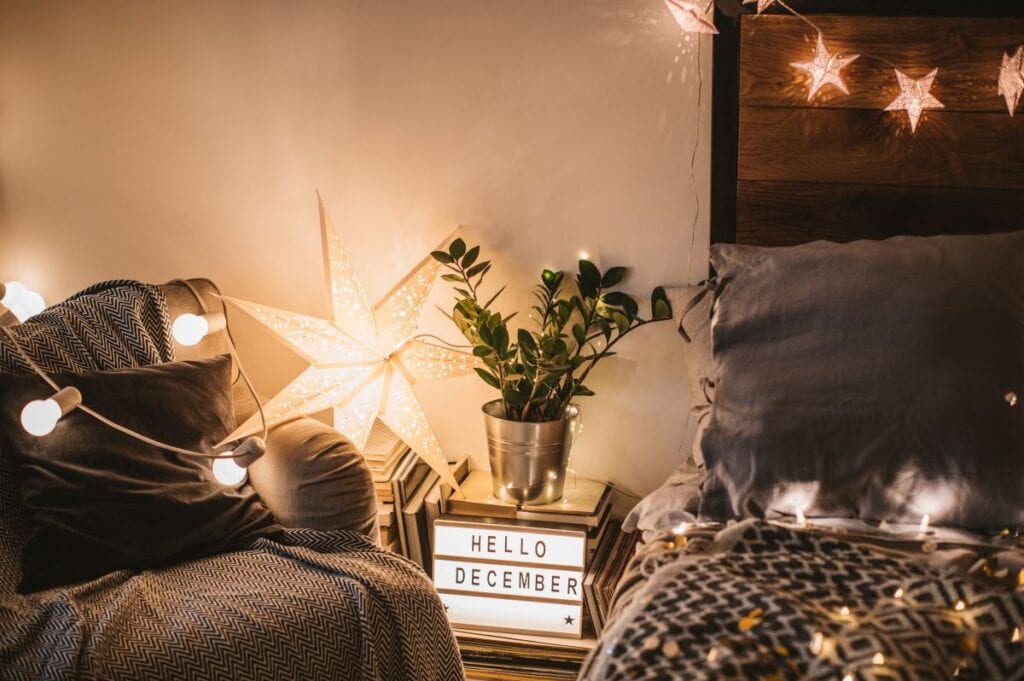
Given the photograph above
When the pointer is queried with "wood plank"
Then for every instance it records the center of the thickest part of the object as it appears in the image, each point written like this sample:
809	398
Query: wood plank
968	52
787	213
857	146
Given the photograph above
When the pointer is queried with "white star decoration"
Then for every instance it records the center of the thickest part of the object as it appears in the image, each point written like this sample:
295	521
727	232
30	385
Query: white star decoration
363	360
915	97
762	5
1011	79
691	17
825	68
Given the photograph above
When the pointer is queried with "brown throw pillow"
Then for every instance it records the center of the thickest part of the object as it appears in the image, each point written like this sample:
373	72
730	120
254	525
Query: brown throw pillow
97	500
875	379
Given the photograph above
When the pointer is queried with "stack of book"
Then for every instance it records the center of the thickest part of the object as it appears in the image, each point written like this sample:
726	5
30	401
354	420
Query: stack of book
410	496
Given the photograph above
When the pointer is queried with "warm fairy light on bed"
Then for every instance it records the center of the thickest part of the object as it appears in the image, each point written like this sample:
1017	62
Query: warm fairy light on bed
925	521
20	301
959	606
898	593
844	611
1015	636
801	519
878	659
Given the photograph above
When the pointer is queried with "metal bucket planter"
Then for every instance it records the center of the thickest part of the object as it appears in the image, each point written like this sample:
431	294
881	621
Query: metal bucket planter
528	460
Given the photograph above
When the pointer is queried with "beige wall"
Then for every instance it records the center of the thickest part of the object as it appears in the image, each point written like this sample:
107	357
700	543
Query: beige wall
155	140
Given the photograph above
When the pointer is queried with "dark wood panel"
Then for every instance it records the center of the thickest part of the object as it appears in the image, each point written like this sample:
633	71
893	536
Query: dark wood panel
787	213
858	146
967	51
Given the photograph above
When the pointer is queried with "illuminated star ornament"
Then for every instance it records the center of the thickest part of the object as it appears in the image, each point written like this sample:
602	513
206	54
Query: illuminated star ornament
363	360
762	5
915	97
1011	79
825	68
691	17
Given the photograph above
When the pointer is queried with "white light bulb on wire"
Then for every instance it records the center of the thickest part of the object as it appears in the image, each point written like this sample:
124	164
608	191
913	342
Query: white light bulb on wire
228	472
40	417
188	329
22	302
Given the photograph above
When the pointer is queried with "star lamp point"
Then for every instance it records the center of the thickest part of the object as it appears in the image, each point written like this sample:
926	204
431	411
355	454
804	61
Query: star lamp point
690	16
1011	79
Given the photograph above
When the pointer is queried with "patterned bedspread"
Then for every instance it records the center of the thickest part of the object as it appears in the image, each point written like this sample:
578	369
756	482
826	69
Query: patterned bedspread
323	605
763	601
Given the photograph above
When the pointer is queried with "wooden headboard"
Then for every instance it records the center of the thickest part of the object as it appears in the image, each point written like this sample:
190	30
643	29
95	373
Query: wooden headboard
786	171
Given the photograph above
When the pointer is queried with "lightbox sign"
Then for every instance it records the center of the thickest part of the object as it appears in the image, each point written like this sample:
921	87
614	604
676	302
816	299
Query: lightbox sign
510	577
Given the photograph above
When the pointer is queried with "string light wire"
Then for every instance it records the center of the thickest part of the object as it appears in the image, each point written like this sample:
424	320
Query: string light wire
128	431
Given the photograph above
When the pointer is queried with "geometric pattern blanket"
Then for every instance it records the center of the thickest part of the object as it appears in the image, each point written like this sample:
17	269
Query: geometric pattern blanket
762	601
317	605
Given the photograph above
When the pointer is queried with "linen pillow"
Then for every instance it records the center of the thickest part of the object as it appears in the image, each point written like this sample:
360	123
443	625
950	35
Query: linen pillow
875	379
691	306
97	500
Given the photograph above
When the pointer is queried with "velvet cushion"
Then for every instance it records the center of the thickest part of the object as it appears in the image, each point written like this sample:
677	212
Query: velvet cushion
97	500
311	476
870	379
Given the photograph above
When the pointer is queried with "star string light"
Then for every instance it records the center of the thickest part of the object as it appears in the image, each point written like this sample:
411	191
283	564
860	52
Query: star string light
363	360
825	68
762	5
915	96
691	17
1011	79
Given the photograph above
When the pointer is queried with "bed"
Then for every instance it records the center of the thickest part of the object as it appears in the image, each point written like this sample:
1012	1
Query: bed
853	509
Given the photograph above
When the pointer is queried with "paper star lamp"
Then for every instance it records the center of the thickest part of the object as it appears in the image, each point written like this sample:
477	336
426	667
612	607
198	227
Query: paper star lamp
363	360
762	5
915	97
1011	79
691	17
825	69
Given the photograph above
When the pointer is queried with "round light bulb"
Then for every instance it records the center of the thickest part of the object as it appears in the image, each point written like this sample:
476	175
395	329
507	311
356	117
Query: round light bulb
13	290
39	417
189	329
228	472
32	303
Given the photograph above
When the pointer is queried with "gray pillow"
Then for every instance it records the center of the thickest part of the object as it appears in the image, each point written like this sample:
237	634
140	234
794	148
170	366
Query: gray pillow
876	379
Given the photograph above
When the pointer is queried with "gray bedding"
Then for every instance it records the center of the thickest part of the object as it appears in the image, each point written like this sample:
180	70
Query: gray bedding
323	605
759	600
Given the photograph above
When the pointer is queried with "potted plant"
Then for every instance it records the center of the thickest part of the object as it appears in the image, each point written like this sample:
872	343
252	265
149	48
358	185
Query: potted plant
542	368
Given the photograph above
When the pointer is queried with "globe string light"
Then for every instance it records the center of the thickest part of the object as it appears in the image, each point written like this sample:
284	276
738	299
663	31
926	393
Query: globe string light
915	97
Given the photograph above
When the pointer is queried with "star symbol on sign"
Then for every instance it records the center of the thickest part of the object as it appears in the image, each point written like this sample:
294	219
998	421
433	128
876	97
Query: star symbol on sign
1011	79
915	97
825	68
570	620
363	361
691	17
762	5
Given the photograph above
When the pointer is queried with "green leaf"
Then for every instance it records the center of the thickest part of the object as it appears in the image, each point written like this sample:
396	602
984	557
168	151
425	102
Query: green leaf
613	277
452	277
482	351
501	339
622	300
477	269
495	296
579	334
661	308
589	279
442	257
583	391
486	336
470	256
489	378
621	320
526	341
457	249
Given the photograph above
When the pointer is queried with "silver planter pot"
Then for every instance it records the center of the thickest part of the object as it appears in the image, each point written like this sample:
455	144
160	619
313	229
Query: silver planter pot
528	460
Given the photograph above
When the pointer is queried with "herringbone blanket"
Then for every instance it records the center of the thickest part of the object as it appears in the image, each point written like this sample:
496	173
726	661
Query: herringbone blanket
761	601
325	605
